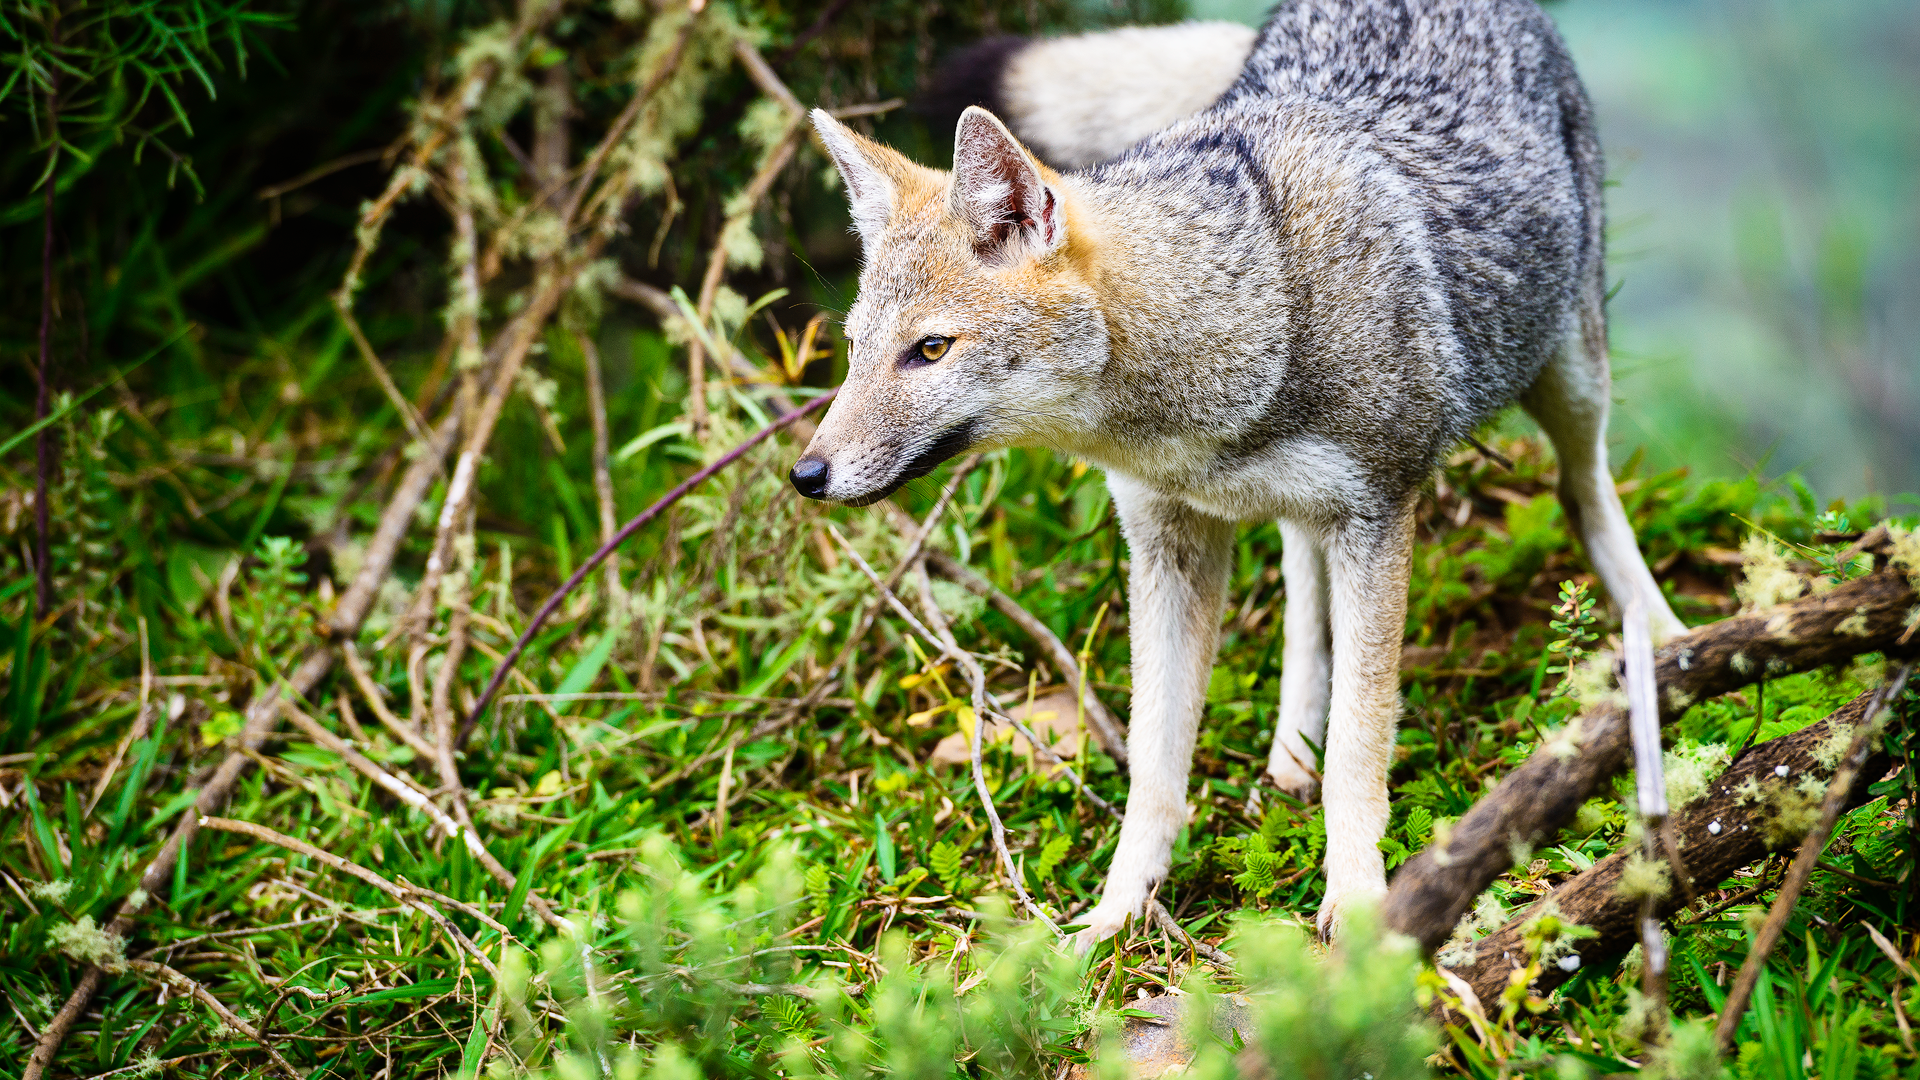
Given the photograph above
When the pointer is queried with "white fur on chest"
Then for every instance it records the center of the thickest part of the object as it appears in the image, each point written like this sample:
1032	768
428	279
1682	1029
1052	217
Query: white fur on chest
1305	480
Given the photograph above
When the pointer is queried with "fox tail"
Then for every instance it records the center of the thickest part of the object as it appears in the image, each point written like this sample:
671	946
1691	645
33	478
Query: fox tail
1079	100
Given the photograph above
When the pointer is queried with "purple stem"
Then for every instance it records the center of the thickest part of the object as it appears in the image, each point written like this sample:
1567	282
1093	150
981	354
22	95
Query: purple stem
606	549
43	443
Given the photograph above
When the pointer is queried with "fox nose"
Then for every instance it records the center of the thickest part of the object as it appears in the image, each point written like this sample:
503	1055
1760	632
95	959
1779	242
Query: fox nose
809	477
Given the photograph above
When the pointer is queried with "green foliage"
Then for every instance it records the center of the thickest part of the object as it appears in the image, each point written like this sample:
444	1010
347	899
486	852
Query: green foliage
1350	1012
86	77
841	910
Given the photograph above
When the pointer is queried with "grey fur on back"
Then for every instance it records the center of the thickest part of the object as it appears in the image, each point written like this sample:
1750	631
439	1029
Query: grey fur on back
1468	151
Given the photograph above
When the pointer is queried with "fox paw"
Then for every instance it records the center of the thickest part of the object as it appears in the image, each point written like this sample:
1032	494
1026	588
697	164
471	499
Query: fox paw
1341	903
1099	924
1291	770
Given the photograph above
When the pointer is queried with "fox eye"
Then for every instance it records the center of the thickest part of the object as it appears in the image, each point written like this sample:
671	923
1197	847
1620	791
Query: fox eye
933	347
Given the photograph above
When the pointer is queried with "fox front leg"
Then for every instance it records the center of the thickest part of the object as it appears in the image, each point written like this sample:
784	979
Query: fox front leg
1180	560
1368	566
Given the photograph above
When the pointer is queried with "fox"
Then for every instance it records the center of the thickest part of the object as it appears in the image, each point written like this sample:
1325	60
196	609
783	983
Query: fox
1286	302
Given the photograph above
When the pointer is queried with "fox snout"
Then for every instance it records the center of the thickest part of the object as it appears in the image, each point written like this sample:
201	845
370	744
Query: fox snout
874	471
809	477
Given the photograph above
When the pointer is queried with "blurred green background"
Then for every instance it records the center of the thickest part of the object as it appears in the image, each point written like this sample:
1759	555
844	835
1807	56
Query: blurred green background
1764	208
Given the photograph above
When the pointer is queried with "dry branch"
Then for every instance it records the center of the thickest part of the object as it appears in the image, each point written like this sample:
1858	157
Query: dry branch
1533	802
1735	824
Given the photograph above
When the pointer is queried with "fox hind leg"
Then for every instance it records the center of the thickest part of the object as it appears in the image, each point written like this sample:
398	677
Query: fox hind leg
1306	664
1569	401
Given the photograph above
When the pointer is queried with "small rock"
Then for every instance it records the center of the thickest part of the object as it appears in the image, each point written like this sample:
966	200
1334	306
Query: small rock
1159	1047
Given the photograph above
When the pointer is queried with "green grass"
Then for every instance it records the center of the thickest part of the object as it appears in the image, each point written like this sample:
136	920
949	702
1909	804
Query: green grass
812	897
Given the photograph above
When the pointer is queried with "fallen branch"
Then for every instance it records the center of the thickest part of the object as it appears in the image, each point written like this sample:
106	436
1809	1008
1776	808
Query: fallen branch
632	526
1734	825
1852	768
1106	730
1432	891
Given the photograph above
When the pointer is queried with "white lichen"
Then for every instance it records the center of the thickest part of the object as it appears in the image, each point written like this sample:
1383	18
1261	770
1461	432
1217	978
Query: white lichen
1643	877
1905	552
1691	771
54	891
1591	682
89	943
1769	580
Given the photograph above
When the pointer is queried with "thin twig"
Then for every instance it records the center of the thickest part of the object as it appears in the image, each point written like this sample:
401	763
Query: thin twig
142	720
1650	781
938	617
632	526
978	679
409	416
1805	860
165	974
746	204
400	893
1164	920
42	398
1491	454
406	732
602	468
1100	721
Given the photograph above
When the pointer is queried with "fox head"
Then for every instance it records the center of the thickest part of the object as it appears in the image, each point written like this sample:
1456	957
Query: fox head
977	325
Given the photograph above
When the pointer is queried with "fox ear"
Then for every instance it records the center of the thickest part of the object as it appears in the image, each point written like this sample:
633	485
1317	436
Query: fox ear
869	189
999	190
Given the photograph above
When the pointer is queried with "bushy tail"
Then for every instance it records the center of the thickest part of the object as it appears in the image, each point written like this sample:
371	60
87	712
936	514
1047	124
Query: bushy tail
1078	100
